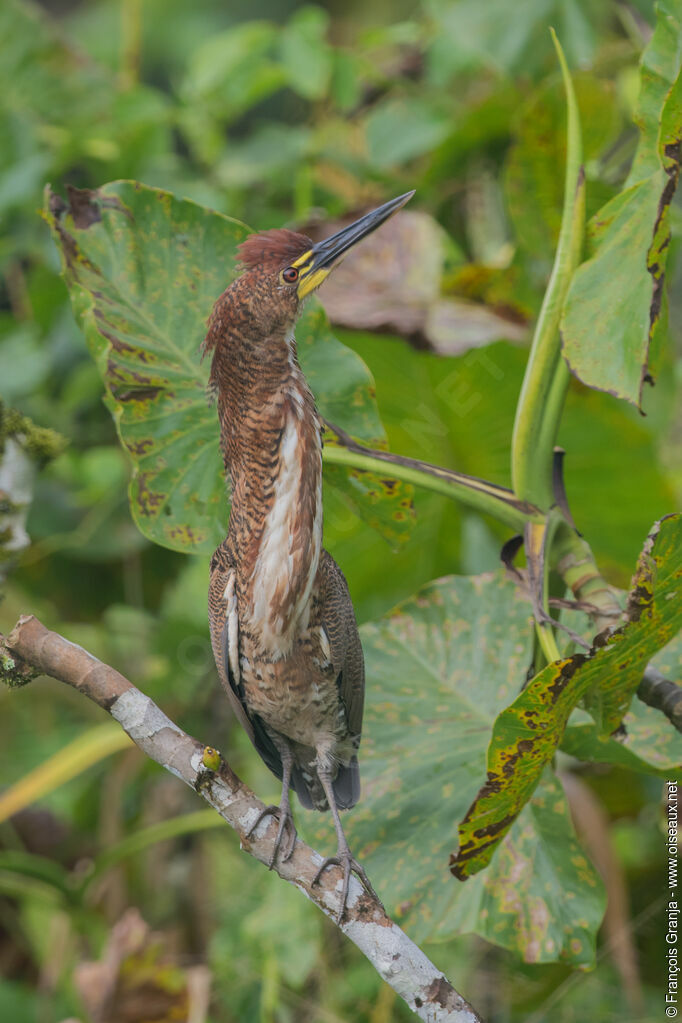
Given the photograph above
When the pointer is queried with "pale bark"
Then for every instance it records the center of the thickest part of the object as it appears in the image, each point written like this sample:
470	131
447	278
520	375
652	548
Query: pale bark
395	957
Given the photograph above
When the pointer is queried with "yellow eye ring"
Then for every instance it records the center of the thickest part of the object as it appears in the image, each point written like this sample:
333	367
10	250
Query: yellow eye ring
290	275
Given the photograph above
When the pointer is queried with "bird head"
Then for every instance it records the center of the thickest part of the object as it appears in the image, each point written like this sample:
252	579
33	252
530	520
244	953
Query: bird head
282	268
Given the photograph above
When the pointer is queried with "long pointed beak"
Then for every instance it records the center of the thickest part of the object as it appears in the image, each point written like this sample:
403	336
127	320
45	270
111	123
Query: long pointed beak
316	264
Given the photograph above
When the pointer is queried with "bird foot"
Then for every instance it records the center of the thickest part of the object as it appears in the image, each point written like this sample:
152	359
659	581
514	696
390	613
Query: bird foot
286	831
349	865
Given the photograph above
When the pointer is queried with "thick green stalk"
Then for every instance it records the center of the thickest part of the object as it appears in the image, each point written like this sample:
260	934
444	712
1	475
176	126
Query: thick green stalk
546	380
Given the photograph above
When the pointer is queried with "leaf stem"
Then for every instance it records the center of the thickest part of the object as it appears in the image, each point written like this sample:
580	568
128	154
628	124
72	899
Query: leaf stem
538	537
484	497
548	643
546	380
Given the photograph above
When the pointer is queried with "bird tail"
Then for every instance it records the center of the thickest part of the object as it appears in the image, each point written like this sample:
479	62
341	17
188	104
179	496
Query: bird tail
311	795
308	789
347	785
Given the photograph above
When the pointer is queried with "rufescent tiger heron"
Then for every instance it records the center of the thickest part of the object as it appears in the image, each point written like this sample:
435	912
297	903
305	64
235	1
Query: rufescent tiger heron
283	628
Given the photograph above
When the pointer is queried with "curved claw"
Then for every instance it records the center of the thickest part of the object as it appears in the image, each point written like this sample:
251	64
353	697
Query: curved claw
286	824
349	865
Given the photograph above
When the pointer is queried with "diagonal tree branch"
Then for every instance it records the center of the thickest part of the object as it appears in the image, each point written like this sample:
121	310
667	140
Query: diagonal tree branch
32	648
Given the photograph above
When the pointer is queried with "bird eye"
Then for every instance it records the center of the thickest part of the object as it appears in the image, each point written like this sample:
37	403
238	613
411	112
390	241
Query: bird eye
290	275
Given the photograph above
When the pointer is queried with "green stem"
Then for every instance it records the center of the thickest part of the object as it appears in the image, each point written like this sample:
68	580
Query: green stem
483	497
546	380
538	538
547	641
546	633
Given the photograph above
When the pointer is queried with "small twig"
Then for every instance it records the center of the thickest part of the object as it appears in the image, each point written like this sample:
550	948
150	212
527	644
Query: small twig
394	956
583	605
572	635
659	692
527	581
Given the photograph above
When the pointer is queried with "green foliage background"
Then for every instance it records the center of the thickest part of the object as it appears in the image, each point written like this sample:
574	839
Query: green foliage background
276	114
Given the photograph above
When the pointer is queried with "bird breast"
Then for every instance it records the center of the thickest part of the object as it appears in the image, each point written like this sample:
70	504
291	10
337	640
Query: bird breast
283	576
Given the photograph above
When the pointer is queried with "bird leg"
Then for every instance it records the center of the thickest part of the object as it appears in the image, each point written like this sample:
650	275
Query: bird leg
281	813
344	858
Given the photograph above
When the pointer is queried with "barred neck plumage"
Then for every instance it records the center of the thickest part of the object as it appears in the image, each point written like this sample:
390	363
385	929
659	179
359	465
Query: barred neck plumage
271	440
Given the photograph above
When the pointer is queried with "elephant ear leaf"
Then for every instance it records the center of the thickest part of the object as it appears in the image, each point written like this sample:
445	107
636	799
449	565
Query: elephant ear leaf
143	270
440	668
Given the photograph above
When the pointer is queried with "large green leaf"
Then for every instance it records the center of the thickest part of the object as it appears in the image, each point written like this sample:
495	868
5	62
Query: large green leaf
527	734
440	668
143	269
614	304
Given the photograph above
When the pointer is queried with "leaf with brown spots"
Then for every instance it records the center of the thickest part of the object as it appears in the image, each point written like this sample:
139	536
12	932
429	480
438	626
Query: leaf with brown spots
439	670
527	734
144	269
613	307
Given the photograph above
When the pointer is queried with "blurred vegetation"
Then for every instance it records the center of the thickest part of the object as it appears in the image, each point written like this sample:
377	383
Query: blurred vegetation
284	114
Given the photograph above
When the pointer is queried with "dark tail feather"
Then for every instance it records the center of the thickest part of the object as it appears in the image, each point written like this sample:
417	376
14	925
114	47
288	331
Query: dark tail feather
347	785
301	789
311	795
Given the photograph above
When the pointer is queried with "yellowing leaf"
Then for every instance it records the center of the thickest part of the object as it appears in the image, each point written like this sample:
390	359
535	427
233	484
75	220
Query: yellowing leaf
527	734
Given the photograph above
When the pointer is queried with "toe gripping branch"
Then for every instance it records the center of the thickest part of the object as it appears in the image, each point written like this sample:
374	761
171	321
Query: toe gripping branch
349	865
285	839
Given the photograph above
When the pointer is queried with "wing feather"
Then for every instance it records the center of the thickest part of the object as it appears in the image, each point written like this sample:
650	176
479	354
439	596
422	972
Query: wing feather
338	621
224	623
